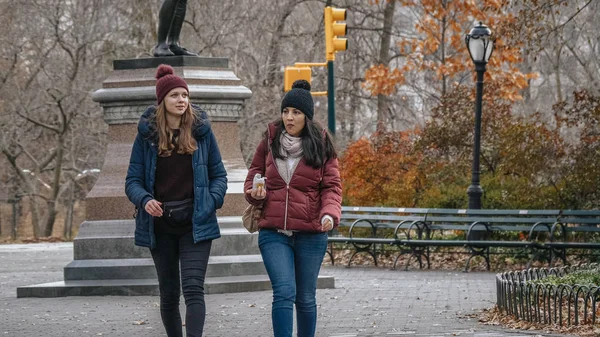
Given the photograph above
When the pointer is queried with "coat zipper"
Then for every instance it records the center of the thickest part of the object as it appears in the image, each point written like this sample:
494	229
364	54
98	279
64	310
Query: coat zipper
287	184
287	196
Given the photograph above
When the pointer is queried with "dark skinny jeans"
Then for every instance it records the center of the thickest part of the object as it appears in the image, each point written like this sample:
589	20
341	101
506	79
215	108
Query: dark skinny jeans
171	250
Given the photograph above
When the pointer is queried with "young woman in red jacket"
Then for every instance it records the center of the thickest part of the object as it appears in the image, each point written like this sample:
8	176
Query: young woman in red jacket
300	204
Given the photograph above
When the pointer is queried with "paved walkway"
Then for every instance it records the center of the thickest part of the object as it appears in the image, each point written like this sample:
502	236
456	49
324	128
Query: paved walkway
365	302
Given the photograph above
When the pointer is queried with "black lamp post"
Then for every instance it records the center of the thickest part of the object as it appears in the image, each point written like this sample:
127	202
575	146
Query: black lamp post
480	44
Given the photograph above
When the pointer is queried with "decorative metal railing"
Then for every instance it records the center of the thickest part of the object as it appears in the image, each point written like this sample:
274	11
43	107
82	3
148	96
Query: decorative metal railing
525	295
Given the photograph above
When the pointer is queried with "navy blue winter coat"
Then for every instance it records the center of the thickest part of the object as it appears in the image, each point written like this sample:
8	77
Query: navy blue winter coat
210	179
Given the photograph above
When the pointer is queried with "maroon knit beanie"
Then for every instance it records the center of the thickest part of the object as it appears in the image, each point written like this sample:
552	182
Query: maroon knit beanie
166	80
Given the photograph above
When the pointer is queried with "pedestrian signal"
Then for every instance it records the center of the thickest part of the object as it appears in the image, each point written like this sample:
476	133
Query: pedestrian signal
292	74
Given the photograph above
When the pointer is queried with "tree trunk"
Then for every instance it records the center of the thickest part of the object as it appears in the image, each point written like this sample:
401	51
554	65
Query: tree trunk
384	58
273	56
49	223
69	216
35	217
53	201
558	48
354	104
559	96
31	187
443	50
526	68
15	218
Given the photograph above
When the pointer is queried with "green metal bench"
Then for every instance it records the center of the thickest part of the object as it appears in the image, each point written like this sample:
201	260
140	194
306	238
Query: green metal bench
414	228
477	227
414	231
375	219
569	223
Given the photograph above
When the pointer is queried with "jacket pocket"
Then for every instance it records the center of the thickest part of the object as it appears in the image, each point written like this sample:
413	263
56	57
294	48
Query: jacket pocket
312	208
307	207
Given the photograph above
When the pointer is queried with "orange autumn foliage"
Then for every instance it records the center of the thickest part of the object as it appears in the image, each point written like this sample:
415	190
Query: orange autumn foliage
527	162
382	170
437	48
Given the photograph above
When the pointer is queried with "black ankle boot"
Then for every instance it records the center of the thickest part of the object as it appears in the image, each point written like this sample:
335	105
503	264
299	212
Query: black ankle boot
162	50
179	50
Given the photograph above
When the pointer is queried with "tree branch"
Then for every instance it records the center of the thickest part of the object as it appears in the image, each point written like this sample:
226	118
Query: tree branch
36	122
571	17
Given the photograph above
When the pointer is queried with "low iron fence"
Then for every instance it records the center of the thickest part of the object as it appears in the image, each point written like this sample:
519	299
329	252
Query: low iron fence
525	295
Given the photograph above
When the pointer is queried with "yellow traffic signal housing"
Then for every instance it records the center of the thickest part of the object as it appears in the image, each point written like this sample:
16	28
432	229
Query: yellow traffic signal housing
292	74
334	29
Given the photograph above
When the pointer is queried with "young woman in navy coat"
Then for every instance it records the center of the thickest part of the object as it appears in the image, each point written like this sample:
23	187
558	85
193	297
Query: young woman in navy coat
175	157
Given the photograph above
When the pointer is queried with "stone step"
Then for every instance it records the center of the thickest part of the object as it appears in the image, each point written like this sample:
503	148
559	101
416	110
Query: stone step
235	265
131	287
235	241
114	239
230	222
149	287
107	269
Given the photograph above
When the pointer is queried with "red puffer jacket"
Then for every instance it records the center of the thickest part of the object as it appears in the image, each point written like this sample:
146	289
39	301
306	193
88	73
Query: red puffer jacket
311	194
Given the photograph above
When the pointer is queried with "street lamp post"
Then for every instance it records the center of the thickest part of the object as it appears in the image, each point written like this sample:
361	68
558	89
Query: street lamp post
480	44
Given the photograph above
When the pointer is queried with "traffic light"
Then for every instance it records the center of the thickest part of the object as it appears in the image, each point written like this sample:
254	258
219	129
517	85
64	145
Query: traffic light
333	29
292	74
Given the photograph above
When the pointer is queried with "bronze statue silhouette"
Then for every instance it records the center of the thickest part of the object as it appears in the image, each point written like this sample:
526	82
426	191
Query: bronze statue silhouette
170	21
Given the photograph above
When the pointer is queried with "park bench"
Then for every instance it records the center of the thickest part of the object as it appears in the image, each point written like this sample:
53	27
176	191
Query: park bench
476	229
377	221
569	224
416	230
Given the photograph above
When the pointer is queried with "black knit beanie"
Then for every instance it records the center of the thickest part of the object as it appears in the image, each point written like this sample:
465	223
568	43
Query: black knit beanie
300	98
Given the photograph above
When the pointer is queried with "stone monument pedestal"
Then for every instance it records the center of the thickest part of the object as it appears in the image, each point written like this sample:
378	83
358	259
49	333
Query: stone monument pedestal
106	261
126	94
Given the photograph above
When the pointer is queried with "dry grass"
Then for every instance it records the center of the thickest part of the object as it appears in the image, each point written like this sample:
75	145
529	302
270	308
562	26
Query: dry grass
495	317
440	259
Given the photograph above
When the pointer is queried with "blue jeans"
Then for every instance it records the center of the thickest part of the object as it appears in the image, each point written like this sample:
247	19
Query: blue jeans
293	265
171	250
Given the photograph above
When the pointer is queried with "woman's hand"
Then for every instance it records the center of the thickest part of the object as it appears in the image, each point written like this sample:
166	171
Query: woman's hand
326	224
259	194
153	208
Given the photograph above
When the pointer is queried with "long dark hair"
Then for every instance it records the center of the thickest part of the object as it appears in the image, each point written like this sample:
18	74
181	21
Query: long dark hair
315	152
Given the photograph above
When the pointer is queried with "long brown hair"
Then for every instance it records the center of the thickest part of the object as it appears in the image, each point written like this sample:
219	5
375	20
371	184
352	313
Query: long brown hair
186	144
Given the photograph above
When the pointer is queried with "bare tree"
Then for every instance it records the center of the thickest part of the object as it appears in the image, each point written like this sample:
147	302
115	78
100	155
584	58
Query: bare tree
53	66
